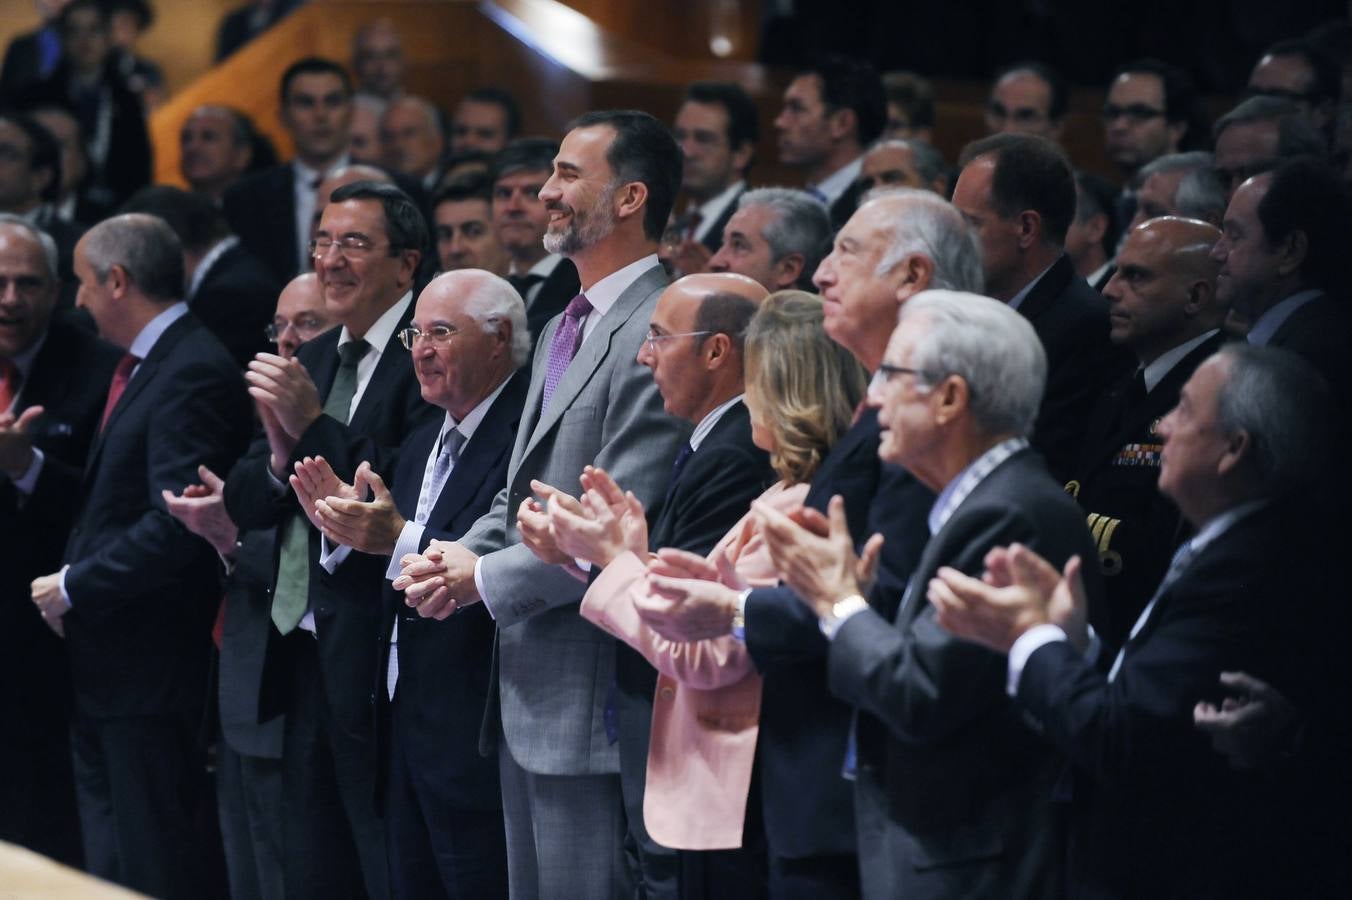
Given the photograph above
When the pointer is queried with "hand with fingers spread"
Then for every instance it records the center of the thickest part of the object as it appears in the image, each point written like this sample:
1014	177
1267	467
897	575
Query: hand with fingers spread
1019	591
371	526
313	480
16	448
532	521
815	554
1252	725
610	522
439	580
201	509
685	601
284	388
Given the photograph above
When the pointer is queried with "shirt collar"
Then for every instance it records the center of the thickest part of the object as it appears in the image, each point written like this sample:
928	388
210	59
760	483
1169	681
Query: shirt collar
307	175
710	419
1094	276
604	293
1017	299
470	423
1263	330
957	490
200	273
155	328
1164	364
23	360
839	181
1223	523
544	267
711	210
380	332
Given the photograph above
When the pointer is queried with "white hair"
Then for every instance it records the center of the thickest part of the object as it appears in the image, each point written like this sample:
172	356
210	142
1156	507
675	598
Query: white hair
929	225
492	300
988	345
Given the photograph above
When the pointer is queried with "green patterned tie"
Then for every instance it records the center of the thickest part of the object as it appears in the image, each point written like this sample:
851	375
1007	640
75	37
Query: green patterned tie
292	594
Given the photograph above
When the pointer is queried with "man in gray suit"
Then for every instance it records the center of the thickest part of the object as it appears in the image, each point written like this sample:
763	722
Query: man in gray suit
590	403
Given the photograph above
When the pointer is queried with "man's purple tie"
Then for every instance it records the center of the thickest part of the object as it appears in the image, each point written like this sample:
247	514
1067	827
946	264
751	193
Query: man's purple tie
564	345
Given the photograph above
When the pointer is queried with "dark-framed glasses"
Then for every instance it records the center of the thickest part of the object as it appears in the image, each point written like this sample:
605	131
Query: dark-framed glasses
349	245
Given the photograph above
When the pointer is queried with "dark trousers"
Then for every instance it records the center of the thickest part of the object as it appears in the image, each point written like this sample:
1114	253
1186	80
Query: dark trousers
249	803
37	792
138	781
436	850
742	872
334	843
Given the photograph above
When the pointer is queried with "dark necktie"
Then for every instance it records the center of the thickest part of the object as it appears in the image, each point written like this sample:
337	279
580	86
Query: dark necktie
121	375
681	459
563	346
1182	557
292	594
10	380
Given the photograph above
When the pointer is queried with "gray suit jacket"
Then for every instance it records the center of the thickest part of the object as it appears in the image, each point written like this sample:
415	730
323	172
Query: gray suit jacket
554	668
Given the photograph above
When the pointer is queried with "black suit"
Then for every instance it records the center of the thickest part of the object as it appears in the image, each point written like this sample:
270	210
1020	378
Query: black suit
844	206
69	379
1135	527
559	286
710	494
954	792
23	64
808	808
1071	320
143	592
324	686
713	238
442	799
1154	811
235	299
261	209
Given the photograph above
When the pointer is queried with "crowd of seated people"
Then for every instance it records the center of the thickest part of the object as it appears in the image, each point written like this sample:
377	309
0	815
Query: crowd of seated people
451	511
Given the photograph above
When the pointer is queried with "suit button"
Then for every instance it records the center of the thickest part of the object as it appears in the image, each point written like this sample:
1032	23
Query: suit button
666	693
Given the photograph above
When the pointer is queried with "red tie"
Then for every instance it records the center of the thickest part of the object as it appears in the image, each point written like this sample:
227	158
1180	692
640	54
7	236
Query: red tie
121	375
9	383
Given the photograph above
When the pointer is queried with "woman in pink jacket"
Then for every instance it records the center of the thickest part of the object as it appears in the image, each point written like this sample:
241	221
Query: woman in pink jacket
801	391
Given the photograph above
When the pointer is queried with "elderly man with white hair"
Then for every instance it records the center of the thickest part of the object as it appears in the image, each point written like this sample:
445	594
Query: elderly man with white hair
953	793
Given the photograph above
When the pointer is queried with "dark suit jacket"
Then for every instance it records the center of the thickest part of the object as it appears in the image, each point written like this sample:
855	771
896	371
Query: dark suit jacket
710	495
965	784
444	666
809	808
560	286
1318	332
346	614
1135	527
22	66
144	589
69	379
235	300
1071	320
245	628
845	205
713	238
261	209
1155	812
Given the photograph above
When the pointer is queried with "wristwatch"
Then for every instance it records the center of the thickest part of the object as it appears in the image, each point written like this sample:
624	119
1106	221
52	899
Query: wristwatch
739	616
840	611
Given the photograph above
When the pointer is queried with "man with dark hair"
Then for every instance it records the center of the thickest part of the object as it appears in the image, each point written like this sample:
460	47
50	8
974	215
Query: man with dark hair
1151	110
1018	192
227	286
486	119
899	162
349	395
832	111
1259	133
413	141
378	60
777	237
910	106
545	280
1285	267
1299	71
717	129
590	403
273	211
1092	236
1027	98
462	226
53	382
30	182
137	594
216	147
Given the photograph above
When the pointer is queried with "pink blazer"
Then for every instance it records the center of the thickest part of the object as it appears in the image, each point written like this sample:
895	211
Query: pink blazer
706	712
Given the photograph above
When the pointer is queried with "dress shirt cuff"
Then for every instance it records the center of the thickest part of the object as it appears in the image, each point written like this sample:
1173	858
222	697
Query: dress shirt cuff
1024	647
278	486
331	557
480	587
409	540
25	483
65	594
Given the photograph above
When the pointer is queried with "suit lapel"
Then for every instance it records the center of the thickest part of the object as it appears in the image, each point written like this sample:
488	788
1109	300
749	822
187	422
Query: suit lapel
393	357
491	440
1045	292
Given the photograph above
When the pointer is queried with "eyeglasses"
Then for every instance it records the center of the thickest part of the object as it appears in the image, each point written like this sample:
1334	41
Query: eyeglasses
886	372
437	334
306	328
1136	112
349	245
653	338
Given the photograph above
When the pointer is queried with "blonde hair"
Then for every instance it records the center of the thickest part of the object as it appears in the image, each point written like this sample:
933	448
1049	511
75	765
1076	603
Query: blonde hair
810	385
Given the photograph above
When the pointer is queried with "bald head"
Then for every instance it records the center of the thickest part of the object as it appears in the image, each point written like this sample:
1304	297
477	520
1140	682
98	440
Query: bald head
411	137
300	314
697	333
1163	293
